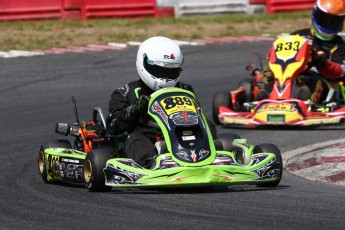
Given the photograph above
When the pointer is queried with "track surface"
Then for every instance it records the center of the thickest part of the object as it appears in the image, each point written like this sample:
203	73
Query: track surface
35	94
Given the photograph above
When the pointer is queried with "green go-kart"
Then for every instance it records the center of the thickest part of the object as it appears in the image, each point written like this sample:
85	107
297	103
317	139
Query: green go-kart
187	155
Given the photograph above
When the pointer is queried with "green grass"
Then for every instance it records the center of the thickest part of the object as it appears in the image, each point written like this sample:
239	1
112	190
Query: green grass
30	35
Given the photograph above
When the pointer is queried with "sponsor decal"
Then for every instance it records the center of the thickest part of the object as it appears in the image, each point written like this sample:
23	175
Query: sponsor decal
183	155
283	107
268	171
167	162
118	175
316	122
188	138
224	177
223	160
193	155
61	167
203	153
73	171
170	57
76	161
156	108
184	118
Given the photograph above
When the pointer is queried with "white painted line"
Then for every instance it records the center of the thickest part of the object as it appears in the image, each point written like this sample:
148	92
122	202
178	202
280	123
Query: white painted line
106	47
120	45
19	53
189	43
134	43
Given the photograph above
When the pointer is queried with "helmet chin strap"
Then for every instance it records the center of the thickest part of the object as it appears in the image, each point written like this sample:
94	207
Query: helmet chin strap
156	87
317	34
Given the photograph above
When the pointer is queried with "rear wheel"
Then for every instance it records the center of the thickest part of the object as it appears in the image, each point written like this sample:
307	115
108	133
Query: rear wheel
220	99
95	162
271	148
247	86
60	143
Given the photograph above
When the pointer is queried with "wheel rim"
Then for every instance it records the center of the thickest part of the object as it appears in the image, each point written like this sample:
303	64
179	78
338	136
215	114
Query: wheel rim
41	162
87	171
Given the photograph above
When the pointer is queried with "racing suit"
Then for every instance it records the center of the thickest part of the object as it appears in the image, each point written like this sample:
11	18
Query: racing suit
334	50
329	64
142	131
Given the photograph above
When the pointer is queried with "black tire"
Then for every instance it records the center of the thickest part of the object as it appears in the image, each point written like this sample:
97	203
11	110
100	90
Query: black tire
226	139
95	162
60	143
222	98
303	93
270	148
247	85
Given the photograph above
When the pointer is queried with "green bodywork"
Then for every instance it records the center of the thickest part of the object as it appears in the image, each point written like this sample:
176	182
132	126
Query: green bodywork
219	168
194	176
166	133
64	165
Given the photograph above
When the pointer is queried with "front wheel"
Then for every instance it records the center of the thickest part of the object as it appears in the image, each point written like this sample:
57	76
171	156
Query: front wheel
95	162
226	139
60	143
220	99
271	148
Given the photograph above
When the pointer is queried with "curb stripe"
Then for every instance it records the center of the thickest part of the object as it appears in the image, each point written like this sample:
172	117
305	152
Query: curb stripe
336	177
333	159
311	162
121	46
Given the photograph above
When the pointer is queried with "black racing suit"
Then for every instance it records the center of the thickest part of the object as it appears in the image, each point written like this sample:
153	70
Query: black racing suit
142	132
334	50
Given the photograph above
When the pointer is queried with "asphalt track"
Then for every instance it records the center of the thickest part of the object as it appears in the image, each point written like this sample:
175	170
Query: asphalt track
35	93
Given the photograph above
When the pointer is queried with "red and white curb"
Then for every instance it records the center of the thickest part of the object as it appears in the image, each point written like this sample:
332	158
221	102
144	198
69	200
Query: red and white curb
122	46
322	162
240	39
81	49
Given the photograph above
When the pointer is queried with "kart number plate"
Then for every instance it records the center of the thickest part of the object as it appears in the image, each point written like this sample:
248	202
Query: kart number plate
276	118
177	104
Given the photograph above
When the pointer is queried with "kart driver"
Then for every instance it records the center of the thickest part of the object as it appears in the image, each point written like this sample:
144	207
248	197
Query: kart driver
159	65
328	55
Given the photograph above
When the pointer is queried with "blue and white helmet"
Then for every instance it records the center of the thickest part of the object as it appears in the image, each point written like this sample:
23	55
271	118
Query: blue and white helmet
159	62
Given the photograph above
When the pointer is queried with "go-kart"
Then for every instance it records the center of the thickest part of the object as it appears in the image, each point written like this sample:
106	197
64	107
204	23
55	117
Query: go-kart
187	155
288	62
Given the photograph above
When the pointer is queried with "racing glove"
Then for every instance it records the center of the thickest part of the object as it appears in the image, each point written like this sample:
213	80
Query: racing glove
319	59
133	112
141	105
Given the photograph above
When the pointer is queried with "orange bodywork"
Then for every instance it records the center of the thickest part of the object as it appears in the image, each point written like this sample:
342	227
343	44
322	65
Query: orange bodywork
89	135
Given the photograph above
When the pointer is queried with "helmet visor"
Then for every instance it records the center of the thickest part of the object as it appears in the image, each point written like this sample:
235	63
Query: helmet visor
328	23
163	70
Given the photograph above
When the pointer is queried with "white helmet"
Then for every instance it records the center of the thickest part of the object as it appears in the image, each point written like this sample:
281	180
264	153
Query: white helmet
159	62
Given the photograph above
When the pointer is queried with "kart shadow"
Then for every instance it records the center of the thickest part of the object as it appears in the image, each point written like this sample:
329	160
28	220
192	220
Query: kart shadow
180	190
63	184
293	128
197	190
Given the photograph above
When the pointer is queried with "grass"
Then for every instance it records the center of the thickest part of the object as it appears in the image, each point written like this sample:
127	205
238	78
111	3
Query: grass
31	35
